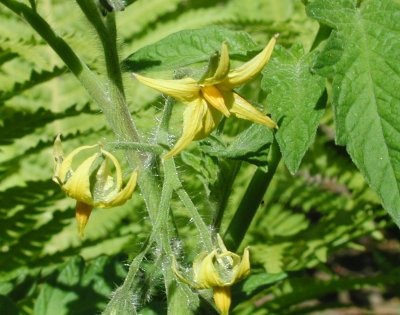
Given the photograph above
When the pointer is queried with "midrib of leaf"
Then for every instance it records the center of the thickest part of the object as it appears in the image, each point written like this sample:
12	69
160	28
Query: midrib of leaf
364	97
389	170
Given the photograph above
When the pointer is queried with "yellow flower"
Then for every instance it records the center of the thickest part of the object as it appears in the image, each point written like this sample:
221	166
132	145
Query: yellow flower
213	97
92	183
218	270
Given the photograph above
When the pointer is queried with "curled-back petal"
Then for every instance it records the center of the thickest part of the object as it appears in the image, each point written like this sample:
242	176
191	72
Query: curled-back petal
121	197
91	184
242	269
66	166
78	185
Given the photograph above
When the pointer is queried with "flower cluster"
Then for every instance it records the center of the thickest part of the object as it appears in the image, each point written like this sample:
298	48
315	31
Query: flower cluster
92	183
213	97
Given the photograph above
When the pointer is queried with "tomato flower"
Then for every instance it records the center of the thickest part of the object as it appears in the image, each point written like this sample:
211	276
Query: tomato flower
92	183
219	270
213	97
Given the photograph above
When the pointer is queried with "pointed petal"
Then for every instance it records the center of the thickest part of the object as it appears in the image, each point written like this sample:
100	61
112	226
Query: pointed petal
243	270
82	214
193	116
249	70
78	185
244	110
214	97
118	176
65	167
223	67
121	197
222	299
185	90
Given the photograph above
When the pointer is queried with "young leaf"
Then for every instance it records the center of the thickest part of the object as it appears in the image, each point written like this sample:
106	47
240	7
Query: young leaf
295	100
188	47
362	56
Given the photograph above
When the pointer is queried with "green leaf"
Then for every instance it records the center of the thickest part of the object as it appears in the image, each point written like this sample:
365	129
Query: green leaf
251	145
187	47
362	56
295	100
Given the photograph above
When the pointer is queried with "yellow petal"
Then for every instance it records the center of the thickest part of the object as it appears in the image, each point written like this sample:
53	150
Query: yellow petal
192	125
207	276
121	197
249	70
222	299
118	176
223	67
244	110
78	185
214	97
66	164
185	90
82	214
243	270
211	119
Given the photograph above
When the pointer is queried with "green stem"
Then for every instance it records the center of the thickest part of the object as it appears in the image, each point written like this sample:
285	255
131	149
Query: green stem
191	208
117	110
251	200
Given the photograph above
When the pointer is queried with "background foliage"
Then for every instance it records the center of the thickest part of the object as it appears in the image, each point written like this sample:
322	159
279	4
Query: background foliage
320	227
